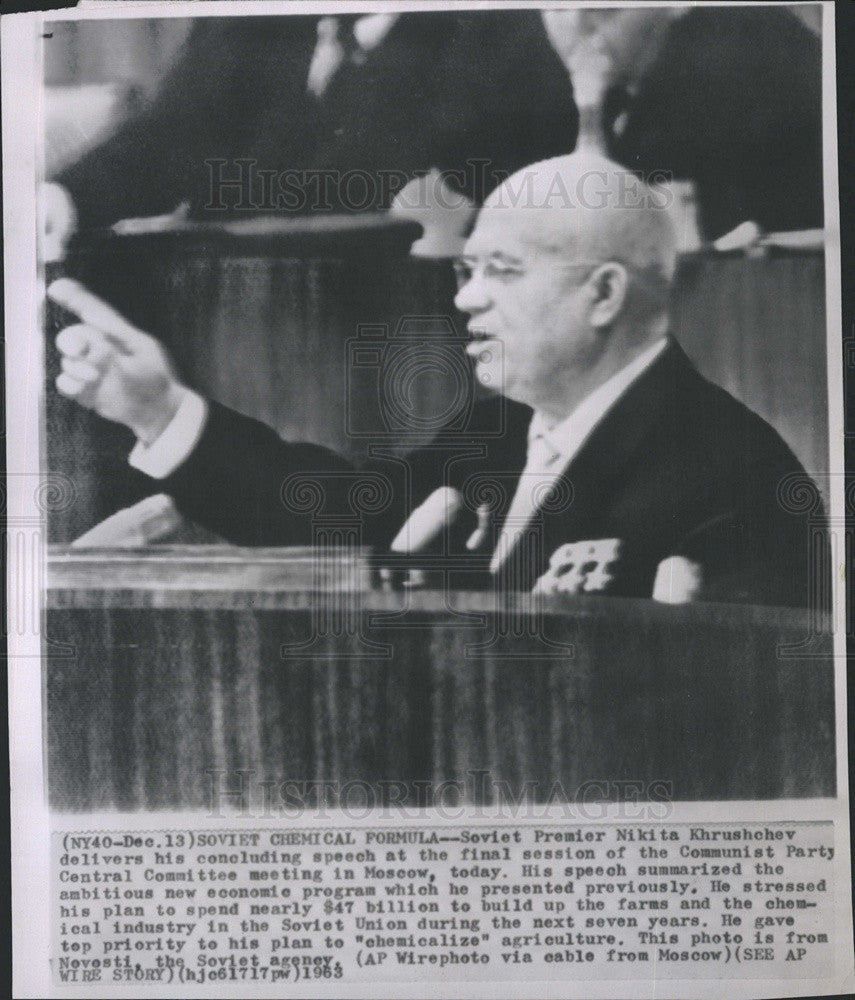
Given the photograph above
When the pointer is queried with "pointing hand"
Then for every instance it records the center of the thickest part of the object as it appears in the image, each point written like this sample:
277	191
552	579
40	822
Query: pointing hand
113	368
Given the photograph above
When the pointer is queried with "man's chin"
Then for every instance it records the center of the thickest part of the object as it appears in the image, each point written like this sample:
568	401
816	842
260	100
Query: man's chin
489	369
489	377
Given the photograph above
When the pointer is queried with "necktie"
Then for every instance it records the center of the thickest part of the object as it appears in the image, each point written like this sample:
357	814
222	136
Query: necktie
539	473
542	454
336	43
616	106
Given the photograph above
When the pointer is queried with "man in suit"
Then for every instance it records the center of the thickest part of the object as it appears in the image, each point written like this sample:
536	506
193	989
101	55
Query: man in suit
607	464
729	98
302	99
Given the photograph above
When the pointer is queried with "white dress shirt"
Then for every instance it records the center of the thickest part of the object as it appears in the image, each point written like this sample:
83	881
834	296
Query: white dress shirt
368	32
551	448
163	456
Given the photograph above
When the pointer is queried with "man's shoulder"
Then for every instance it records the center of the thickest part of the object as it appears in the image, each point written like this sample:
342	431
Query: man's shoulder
718	440
675	423
733	425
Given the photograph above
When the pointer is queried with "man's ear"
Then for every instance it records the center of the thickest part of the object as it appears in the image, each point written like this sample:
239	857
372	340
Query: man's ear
609	286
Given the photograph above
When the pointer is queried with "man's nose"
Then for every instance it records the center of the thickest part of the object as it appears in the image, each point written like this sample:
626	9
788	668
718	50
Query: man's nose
472	296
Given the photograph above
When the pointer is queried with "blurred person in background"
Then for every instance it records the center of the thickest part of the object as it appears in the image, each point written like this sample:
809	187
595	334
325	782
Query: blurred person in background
728	98
318	97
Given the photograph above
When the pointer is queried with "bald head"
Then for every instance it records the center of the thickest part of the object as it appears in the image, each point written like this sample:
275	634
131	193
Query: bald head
585	208
565	278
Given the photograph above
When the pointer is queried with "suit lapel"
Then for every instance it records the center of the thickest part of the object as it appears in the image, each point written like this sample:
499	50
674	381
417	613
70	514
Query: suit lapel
637	428
638	425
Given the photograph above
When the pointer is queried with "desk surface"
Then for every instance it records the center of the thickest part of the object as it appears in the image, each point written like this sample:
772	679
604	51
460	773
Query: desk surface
233	578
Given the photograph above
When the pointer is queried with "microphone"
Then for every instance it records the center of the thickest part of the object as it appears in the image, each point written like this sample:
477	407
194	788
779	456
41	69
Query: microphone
442	517
427	522
145	523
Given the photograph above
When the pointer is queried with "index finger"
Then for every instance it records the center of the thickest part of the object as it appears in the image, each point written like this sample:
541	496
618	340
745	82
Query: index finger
74	297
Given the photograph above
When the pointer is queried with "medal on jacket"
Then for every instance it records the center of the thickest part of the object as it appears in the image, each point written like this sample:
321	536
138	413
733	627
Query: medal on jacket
580	567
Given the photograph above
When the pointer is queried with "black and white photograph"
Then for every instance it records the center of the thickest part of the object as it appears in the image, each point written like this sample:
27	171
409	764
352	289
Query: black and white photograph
426	311
437	418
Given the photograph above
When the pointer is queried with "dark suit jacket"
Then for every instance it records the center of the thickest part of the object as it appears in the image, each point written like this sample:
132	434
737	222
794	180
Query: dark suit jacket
439	90
677	467
733	102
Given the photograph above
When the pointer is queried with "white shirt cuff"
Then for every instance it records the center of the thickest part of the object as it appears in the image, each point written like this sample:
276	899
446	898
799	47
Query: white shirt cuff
163	456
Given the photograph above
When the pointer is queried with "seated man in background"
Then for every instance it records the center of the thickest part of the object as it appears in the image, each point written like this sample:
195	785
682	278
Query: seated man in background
618	470
727	98
307	99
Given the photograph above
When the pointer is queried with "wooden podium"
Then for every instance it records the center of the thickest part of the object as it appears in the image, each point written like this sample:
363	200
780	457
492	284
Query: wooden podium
218	678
